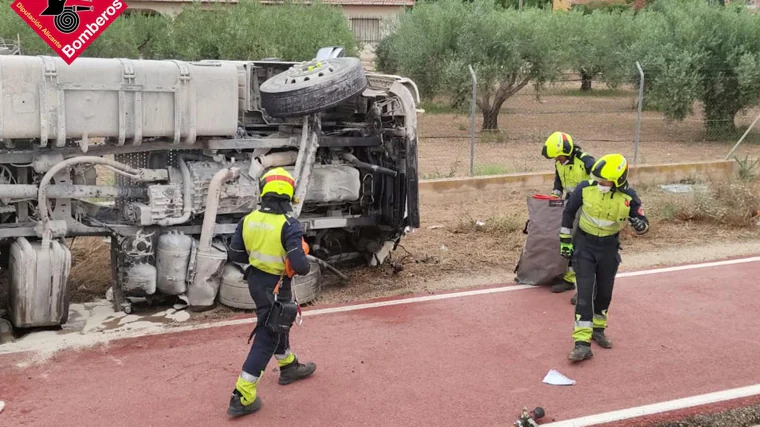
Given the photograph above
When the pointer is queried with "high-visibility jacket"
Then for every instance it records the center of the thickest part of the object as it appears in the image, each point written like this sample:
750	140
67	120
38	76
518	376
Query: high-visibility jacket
262	236
568	176
602	214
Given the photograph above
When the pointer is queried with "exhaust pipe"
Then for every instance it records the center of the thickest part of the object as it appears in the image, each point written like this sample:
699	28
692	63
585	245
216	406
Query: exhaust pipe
209	261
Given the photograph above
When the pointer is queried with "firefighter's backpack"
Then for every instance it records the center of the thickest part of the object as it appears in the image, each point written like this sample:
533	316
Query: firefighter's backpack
540	262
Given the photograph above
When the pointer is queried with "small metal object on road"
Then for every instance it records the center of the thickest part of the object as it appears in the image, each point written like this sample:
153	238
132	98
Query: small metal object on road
528	418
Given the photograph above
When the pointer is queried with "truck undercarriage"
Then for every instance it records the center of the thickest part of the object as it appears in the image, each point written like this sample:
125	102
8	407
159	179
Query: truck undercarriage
187	143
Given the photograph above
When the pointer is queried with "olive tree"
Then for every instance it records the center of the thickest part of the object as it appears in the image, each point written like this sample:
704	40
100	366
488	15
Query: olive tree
436	43
598	44
693	51
250	31
508	50
421	42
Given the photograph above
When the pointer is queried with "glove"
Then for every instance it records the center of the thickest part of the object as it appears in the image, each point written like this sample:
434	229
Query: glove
289	271
566	246
640	224
557	193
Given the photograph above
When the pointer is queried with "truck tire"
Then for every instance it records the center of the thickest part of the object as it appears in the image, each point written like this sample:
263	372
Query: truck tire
233	291
312	86
306	288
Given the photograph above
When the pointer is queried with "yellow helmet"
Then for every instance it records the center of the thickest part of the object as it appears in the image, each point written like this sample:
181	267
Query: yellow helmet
557	144
611	167
278	181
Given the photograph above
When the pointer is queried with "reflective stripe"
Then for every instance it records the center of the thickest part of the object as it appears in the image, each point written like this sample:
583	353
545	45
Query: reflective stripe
266	258
283	356
583	324
248	377
598	222
565	230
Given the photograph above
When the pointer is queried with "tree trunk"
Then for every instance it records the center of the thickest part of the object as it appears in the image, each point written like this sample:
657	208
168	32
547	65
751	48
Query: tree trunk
586	82
491	118
719	120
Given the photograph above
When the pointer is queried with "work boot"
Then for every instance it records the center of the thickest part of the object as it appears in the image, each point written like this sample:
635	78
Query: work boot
237	409
563	286
601	339
574	299
296	371
580	352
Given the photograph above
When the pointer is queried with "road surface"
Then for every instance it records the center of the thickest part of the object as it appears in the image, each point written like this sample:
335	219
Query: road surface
464	358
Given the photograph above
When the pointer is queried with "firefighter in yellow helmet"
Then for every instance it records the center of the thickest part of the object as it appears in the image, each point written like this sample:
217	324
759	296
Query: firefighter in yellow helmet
572	167
605	202
271	242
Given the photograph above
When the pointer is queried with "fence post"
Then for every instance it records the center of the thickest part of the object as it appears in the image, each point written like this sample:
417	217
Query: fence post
638	114
472	120
742	138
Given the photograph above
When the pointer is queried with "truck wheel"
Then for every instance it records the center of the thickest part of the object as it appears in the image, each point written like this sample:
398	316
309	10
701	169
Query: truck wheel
307	287
312	86
233	292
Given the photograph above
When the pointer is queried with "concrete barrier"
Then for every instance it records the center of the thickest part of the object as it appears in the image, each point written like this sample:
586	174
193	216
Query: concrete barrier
639	175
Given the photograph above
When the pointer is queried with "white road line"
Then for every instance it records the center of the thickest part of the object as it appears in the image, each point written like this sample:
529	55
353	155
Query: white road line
98	338
672	405
688	267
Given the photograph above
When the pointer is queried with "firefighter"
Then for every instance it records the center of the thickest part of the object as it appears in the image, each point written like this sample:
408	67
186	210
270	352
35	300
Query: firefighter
271	242
606	201
571	167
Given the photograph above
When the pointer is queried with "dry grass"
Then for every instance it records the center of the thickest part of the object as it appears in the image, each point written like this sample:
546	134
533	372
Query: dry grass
729	203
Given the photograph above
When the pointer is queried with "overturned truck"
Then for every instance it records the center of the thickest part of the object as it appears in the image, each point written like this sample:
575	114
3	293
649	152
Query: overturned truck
187	142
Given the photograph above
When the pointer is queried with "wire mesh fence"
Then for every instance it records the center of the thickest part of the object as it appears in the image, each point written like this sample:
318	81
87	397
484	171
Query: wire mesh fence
600	120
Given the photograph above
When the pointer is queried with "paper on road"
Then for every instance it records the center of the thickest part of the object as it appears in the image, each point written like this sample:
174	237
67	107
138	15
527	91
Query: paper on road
2	405
555	378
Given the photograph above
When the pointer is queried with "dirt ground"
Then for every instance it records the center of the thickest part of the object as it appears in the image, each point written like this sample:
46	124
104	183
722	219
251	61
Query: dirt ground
450	251
740	417
600	124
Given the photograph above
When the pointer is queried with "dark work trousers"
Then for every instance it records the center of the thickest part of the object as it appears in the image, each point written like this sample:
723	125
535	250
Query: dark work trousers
595	261
576	230
265	342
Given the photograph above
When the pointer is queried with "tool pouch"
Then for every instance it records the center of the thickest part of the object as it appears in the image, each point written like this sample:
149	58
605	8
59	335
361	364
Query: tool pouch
283	313
282	316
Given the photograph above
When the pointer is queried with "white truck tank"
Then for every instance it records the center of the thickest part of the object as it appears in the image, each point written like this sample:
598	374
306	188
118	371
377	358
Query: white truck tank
43	97
172	258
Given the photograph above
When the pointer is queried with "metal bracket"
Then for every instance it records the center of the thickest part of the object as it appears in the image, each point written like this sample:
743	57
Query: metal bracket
184	70
128	78
312	129
50	78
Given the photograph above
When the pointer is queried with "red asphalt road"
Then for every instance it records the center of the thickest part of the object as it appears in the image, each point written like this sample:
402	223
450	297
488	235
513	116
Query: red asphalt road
474	360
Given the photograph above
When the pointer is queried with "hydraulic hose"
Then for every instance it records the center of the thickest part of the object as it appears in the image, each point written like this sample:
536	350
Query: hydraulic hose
362	165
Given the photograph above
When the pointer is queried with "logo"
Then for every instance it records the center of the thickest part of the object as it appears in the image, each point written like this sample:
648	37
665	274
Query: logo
69	26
